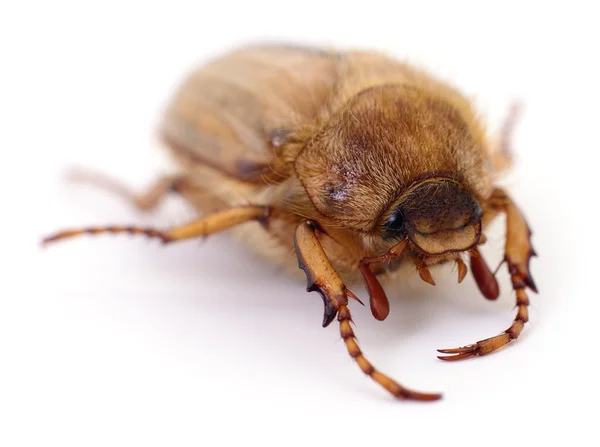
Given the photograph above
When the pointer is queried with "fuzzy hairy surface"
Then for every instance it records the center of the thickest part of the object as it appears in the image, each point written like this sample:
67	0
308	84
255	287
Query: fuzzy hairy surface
340	138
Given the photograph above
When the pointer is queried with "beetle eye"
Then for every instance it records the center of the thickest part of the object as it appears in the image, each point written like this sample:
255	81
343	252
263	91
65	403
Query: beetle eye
396	223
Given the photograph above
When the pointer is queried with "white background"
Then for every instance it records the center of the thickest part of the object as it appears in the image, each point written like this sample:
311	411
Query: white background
119	341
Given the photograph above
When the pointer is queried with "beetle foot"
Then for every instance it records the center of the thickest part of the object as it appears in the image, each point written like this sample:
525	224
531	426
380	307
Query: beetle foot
480	348
491	344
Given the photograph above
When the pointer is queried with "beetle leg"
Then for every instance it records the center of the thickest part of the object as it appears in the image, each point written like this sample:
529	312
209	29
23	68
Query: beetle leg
146	201
503	156
322	277
206	226
517	254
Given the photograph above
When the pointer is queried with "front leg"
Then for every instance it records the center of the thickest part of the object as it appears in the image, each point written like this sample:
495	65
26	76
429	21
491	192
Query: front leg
517	254
322	277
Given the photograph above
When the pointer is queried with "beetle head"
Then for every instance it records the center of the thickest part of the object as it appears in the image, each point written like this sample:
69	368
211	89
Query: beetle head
395	151
438	215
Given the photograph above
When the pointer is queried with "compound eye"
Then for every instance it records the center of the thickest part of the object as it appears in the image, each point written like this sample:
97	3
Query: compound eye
396	223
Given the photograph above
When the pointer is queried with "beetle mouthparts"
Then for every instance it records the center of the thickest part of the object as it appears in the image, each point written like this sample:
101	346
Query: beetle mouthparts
447	241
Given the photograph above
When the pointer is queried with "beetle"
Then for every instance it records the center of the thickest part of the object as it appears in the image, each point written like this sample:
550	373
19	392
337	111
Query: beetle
357	162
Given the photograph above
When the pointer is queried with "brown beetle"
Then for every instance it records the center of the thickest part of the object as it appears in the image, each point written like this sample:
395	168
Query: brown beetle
357	162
